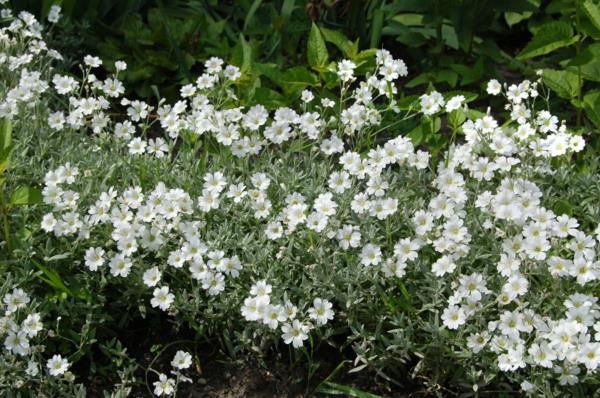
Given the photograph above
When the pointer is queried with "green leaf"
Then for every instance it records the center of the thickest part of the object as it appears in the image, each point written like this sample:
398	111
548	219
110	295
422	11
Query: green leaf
52	278
251	12
563	82
242	55
591	71
297	78
447	76
317	54
287	8
592	11
338	39
269	98
5	158
513	18
26	196
5	134
549	37
330	388
563	207
591	106
376	28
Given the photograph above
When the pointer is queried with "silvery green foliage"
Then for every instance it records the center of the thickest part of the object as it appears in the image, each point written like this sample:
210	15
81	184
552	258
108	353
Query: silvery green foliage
300	224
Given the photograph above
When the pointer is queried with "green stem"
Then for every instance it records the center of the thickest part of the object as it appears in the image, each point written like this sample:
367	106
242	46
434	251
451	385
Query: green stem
4	210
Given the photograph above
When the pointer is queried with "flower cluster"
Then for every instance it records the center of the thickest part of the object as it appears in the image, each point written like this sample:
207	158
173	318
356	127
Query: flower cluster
258	307
167	385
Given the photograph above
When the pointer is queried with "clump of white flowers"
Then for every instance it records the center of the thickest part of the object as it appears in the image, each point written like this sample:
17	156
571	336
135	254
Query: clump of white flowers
294	223
20	326
166	385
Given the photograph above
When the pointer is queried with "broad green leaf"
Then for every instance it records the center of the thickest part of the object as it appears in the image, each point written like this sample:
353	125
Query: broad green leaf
5	133
457	117
297	78
591	71
246	55
242	55
271	71
409	19
338	39
5	158
26	196
513	18
407	103
549	37
423	78
447	76
563	207
591	105
592	11
365	61
269	98
287	8
588	54
317	54
563	82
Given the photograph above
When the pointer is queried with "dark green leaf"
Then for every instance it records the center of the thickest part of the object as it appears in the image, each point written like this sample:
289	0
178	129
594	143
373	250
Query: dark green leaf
376	28
317	54
251	12
26	196
563	82
592	11
5	133
297	78
549	37
591	105
52	278
338	39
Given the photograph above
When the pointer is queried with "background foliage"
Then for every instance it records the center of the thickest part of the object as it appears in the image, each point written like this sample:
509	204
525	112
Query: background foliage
449	44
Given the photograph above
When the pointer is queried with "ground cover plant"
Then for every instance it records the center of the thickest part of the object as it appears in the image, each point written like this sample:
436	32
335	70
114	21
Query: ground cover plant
466	265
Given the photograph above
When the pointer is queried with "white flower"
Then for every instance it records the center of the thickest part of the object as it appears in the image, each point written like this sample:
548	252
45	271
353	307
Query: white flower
295	333
92	61
454	103
164	385
453	317
307	96
346	70
120	265
57	365
370	255
32	325
321	311
494	87
17	342
151	277
232	72
162	298
182	360
15	300
431	103
94	258
54	14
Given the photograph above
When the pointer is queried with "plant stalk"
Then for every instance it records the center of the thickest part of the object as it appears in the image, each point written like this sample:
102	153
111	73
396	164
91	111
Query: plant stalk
5	226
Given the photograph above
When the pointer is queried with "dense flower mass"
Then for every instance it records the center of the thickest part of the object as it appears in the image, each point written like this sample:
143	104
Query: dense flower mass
301	215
